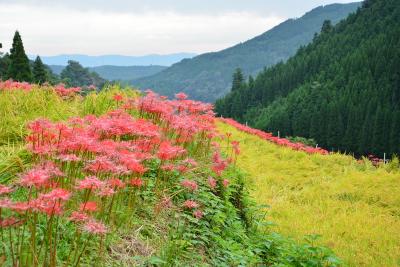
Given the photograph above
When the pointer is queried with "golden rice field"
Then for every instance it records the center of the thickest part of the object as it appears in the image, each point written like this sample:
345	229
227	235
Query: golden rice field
355	207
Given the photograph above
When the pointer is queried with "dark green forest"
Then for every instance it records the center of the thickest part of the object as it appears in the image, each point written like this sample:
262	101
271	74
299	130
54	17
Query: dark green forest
207	77
343	89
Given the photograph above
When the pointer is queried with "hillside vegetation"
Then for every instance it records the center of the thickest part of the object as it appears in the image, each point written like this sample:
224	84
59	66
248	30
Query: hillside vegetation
207	77
121	179
120	73
354	206
343	89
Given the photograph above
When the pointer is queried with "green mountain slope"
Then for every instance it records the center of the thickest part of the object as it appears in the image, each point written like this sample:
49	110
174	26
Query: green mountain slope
343	90
207	77
123	73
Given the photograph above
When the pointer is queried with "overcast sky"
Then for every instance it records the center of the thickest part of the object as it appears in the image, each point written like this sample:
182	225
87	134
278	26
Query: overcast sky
139	27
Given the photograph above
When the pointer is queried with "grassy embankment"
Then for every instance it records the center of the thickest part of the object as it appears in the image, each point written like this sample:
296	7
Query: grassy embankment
355	207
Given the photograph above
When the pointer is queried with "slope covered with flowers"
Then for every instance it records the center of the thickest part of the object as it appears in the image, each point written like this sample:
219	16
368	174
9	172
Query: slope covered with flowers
117	177
277	140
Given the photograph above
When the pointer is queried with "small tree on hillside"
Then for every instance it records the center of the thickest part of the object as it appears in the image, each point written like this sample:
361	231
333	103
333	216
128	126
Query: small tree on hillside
237	79
39	71
19	69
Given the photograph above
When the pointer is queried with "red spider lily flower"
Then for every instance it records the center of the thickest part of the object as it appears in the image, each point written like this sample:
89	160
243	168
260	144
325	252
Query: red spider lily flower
190	204
212	182
48	206
168	151
191	185
168	167
21	207
77	217
219	165
115	183
118	97
90	182
225	182
89	206
66	92
5	203
10	222
235	146
136	182
181	96
190	161
135	167
51	168
182	168
198	214
101	164
34	177
105	191
94	227
4	189
56	194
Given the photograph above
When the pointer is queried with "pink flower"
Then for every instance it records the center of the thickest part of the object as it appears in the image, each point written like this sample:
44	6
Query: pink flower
212	182
4	189
116	183
94	227
20	206
10	222
191	185
90	182
77	216
88	206
136	182
105	191
198	214
225	182
181	96
168	151
34	177
118	97
190	204
56	194
5	203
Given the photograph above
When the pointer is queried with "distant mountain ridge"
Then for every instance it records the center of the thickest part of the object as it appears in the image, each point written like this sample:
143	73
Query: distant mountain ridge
122	73
116	60
208	76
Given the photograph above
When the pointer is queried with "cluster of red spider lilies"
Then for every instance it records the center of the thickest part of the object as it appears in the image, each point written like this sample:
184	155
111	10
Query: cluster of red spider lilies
274	139
86	169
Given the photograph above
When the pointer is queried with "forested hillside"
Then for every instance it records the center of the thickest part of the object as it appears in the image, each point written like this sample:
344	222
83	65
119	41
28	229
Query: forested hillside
207	77
122	73
343	89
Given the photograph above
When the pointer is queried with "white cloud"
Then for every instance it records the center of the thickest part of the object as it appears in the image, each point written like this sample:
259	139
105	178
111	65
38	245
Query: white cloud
50	30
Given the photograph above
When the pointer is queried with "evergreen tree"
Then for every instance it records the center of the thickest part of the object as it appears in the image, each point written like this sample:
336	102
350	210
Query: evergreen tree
19	68
326	26
39	71
237	79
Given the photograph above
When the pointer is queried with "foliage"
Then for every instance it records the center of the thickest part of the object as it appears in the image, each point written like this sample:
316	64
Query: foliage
39	71
174	209
75	75
305	141
19	68
341	90
207	77
353	205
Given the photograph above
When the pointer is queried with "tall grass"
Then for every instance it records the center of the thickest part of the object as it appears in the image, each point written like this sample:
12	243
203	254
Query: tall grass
354	206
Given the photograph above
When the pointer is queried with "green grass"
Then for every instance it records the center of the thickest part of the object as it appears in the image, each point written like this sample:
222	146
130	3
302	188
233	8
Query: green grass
354	206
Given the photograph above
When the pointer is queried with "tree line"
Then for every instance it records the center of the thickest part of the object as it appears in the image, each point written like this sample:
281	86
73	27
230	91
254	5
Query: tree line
16	65
343	89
